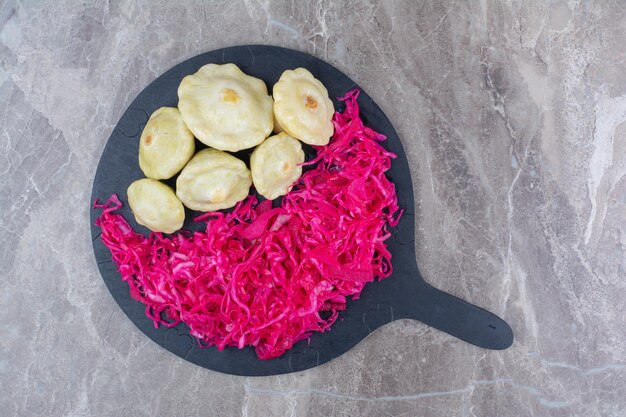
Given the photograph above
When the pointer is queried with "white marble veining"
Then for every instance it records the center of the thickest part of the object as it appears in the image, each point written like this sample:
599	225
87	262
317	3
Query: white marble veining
513	116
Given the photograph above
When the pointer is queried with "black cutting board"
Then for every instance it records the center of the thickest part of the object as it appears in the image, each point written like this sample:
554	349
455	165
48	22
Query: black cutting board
403	295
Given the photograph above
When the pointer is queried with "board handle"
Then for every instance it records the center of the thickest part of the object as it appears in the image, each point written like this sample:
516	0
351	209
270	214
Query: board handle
457	317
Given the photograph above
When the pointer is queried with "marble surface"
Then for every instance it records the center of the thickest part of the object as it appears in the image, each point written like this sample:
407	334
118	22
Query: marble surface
513	115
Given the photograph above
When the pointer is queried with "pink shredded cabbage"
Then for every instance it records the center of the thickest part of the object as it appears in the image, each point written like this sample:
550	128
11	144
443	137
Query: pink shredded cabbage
262	276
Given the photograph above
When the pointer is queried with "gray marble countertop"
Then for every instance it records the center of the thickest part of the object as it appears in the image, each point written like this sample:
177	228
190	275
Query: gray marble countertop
513	115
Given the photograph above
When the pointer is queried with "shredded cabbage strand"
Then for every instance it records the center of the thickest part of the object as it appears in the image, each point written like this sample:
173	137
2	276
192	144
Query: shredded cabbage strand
270	277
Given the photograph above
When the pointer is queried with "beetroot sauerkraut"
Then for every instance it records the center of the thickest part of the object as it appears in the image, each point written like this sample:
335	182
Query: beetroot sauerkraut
269	277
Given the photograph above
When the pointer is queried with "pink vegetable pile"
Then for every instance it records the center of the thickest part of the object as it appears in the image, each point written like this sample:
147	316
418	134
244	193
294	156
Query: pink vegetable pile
270	277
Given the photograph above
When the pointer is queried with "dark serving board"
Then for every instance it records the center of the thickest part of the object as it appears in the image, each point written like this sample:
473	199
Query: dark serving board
403	295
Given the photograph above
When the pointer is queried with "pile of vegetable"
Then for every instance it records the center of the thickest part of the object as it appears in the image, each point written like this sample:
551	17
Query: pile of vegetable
270	277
